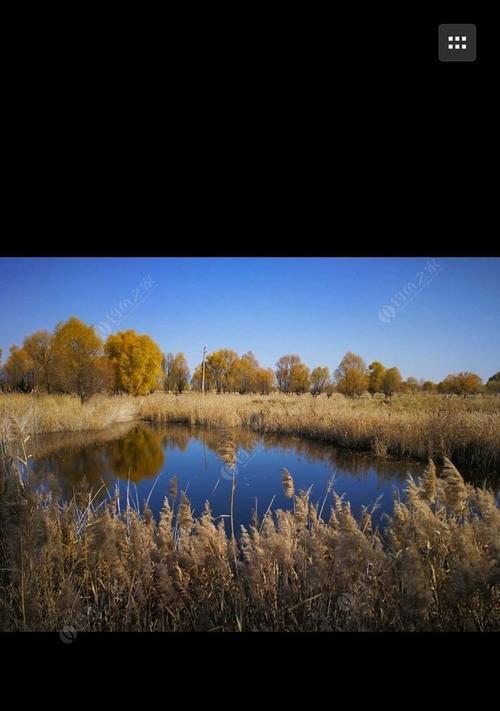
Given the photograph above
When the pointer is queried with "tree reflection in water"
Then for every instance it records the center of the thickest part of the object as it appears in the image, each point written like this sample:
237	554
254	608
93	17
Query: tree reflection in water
135	452
141	451
139	455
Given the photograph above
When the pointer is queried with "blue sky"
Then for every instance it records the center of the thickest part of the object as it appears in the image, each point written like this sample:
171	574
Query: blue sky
449	319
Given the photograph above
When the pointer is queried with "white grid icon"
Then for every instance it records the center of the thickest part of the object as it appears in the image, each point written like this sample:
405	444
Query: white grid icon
458	45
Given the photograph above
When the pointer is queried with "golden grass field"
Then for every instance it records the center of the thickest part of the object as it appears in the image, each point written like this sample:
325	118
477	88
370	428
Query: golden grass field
467	430
436	565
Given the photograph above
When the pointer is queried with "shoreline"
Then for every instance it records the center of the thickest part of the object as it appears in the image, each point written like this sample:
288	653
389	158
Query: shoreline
409	428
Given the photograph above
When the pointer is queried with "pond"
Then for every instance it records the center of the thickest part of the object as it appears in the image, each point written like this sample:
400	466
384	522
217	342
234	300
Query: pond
139	460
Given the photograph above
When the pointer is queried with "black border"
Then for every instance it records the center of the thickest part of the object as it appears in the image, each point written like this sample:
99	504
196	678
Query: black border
376	189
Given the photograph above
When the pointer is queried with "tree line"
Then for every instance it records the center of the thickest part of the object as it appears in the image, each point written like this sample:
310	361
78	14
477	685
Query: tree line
74	359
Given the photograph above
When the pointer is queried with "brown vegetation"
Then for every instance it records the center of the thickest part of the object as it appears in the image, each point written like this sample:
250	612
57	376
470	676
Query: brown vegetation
435	566
420	426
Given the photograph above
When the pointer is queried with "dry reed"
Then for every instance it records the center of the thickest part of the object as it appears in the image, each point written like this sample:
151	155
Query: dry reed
435	565
466	430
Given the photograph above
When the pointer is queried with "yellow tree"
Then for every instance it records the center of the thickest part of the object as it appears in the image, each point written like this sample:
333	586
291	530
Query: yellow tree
377	372
196	380
78	364
448	385
351	375
299	378
412	385
283	371
220	365
244	371
469	384
38	346
19	372
136	360
320	379
180	373
461	384
264	381
392	382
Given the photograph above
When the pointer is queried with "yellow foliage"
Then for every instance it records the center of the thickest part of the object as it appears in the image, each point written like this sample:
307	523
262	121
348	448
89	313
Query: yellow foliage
351	375
78	364
137	361
19	370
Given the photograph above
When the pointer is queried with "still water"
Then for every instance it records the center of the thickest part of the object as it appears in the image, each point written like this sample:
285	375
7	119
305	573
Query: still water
141	459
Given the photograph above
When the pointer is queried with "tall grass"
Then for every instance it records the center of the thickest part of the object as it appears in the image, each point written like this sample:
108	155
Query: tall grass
40	413
435	566
465	430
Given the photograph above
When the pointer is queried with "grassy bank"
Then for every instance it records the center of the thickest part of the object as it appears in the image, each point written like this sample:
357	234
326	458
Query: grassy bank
421	426
436	566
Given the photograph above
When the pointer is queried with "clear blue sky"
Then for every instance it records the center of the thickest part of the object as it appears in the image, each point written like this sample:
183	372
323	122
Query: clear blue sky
318	308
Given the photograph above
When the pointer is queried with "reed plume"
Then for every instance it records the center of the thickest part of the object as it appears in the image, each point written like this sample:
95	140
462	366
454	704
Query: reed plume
434	567
173	488
288	485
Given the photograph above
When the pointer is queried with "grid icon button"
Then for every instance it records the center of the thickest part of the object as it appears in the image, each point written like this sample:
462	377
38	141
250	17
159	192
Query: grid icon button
457	43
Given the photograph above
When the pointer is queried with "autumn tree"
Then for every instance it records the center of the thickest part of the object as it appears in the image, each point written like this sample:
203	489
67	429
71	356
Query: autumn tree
468	384
377	372
392	382
283	371
18	370
412	385
220	366
493	384
446	386
320	379
428	386
244	373
351	375
136	360
38	347
264	381
299	379
180	374
78	362
166	364
196	380
464	384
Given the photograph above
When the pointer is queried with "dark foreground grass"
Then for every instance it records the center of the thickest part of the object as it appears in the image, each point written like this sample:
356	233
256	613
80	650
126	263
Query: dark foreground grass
436	565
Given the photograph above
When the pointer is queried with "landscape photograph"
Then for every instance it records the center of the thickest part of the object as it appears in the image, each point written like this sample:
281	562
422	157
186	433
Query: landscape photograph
249	444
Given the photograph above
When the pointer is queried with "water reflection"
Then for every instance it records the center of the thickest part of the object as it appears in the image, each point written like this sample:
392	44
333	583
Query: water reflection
138	455
206	461
344	461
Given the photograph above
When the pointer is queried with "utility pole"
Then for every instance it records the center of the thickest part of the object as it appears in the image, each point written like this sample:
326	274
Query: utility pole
203	374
